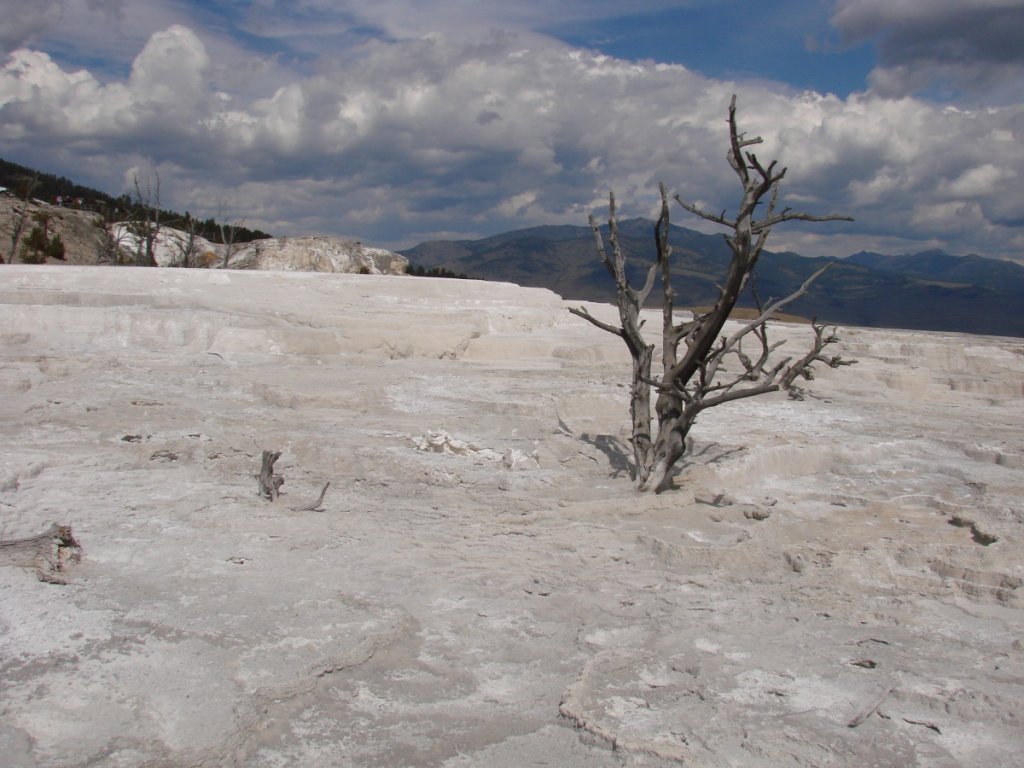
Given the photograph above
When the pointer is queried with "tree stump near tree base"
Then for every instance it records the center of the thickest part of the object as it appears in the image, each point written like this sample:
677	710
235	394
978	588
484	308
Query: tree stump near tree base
269	483
51	553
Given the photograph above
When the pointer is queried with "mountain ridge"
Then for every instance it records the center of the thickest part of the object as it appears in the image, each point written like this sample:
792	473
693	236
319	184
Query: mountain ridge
930	290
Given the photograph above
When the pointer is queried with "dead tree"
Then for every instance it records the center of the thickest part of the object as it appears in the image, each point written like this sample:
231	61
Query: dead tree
113	237
694	352
229	237
144	224
26	187
184	244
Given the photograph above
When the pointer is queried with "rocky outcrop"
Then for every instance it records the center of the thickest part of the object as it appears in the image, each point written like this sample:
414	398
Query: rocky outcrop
80	231
317	254
86	242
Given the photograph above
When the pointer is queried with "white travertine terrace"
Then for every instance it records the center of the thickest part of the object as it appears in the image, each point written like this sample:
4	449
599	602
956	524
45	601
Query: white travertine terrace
836	581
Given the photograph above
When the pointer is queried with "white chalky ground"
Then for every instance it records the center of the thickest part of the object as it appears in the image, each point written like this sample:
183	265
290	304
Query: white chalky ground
832	582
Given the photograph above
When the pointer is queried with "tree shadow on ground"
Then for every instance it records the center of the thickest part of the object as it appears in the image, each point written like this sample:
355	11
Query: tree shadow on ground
617	452
710	454
720	455
620	456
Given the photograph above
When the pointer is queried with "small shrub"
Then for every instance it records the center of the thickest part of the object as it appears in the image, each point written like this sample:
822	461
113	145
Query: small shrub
34	247
55	248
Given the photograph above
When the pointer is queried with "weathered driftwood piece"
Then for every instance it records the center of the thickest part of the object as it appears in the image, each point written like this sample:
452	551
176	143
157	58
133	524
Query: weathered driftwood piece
269	482
50	553
315	506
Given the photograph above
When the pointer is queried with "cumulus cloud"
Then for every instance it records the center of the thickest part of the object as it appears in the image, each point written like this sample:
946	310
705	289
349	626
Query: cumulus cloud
971	46
171	73
164	95
414	138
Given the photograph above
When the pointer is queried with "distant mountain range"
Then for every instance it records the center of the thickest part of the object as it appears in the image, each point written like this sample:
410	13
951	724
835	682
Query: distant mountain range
931	290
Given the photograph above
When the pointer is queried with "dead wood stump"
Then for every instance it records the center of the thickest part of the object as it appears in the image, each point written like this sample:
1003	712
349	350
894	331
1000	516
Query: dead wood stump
269	482
51	553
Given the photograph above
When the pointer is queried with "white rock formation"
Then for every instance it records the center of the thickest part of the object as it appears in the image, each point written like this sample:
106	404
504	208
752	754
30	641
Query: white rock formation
288	254
169	248
317	254
482	585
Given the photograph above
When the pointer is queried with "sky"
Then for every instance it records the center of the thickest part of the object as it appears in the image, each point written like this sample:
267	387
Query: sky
399	121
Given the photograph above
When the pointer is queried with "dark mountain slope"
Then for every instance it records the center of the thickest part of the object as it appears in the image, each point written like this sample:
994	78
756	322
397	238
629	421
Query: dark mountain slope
943	267
928	291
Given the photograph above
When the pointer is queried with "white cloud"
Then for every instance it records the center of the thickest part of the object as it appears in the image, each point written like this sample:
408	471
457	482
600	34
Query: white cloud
171	73
985	180
41	100
432	134
165	93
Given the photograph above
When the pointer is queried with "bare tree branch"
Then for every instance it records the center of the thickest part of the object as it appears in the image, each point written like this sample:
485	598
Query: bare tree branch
582	312
715	218
802	367
788	215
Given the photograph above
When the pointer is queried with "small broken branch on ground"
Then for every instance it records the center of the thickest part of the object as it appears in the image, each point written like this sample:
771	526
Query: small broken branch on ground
872	709
269	482
315	506
50	553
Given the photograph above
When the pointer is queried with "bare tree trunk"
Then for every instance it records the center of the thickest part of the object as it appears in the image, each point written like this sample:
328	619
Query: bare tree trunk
669	449
630	302
640	411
